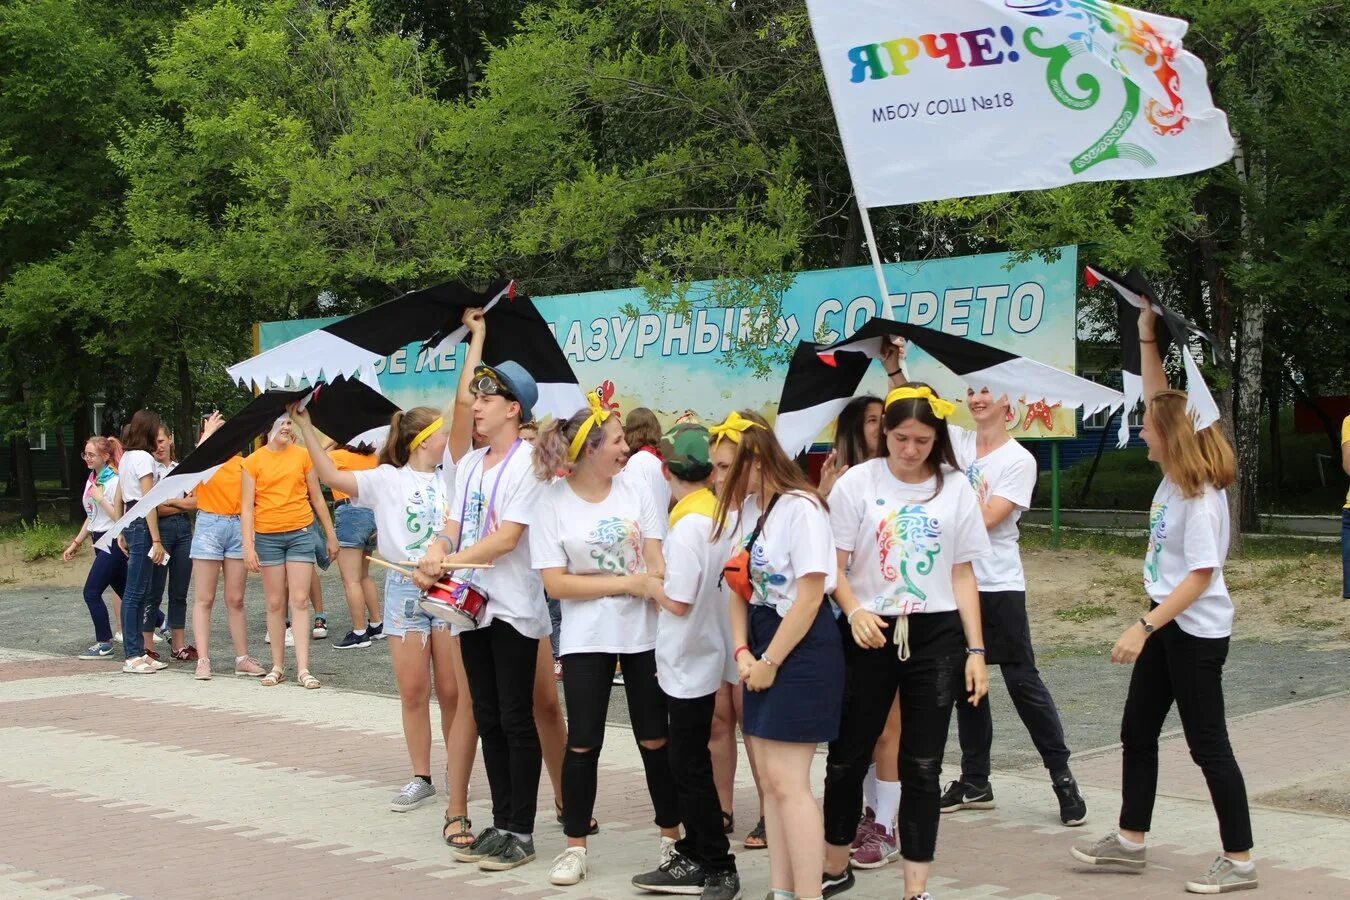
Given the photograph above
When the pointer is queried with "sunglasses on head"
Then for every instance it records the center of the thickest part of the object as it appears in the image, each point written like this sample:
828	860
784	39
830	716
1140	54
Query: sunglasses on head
488	386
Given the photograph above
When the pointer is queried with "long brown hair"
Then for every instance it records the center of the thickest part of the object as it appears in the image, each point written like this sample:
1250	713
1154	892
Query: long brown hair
778	474
641	429
1193	458
918	408
555	440
850	435
142	432
404	425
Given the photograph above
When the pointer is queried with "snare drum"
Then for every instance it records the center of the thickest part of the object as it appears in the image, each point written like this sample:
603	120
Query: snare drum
453	602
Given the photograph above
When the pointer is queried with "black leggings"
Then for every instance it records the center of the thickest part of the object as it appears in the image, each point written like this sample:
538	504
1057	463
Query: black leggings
499	662
587	680
691	765
1177	666
930	682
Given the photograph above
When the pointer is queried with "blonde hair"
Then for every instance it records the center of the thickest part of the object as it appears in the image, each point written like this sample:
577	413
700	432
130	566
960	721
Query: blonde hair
403	427
778	474
555	440
1194	458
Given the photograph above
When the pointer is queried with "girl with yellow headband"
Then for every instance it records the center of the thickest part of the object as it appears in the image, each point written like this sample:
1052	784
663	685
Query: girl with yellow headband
596	540
279	496
787	648
906	527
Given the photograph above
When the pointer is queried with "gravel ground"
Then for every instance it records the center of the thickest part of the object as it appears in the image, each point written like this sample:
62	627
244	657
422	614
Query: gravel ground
1089	690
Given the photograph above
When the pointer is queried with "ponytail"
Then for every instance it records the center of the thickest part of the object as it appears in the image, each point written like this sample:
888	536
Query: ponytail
404	426
110	447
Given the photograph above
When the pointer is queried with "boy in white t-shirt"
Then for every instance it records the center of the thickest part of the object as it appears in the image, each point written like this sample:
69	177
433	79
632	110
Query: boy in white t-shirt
1003	475
693	664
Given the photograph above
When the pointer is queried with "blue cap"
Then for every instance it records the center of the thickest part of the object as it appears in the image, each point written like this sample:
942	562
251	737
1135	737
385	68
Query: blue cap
518	383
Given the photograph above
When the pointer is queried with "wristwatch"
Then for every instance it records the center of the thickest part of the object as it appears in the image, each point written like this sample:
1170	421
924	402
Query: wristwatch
1148	629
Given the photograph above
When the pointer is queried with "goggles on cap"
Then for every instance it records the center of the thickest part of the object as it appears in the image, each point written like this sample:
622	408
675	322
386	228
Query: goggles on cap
488	386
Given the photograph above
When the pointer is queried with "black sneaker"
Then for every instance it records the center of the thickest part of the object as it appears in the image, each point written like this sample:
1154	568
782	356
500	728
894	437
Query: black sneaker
1072	806
482	847
353	641
721	886
375	631
964	795
678	875
508	854
837	884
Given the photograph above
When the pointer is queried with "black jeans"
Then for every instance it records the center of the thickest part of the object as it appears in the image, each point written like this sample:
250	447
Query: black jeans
108	571
499	662
175	534
1177	666
1030	696
691	765
930	682
587	680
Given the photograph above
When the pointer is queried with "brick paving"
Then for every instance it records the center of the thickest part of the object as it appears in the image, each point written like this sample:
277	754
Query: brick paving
121	787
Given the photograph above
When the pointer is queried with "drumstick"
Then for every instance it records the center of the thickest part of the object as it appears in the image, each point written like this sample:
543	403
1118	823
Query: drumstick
446	564
388	565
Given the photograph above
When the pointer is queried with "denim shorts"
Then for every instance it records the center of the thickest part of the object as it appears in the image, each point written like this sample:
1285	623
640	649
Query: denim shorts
217	537
321	557
355	526
285	546
401	612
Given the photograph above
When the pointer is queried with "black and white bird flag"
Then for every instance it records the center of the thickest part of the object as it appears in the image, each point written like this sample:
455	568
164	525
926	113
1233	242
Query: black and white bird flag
352	346
1133	291
348	411
822	378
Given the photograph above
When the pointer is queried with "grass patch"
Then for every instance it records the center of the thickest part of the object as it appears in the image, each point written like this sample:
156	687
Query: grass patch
41	540
1285	549
1083	612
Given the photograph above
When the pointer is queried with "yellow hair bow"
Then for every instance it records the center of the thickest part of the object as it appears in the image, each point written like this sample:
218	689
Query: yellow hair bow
601	410
732	429
941	408
426	433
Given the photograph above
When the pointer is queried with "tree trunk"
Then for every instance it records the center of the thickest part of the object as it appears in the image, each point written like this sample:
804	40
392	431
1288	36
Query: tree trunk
23	470
185	431
1276	450
82	425
1251	339
848	253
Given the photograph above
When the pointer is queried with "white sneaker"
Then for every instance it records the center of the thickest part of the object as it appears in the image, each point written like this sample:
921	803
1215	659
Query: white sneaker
118	637
320	628
569	867
667	850
159	638
290	638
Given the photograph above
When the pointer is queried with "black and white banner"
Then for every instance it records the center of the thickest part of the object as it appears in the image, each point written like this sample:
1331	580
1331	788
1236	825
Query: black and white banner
821	379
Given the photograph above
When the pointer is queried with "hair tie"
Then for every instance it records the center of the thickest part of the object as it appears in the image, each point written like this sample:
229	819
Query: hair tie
941	408
427	432
732	428
601	410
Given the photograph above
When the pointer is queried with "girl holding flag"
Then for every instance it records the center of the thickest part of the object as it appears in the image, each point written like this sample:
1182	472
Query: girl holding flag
906	527
596	540
787	648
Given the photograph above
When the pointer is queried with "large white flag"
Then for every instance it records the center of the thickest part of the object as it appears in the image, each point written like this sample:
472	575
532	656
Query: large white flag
956	98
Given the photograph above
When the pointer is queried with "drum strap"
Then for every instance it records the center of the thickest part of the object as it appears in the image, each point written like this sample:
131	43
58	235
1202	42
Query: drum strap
486	516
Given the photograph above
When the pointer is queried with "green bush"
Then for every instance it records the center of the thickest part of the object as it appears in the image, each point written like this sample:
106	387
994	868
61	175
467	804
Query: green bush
42	540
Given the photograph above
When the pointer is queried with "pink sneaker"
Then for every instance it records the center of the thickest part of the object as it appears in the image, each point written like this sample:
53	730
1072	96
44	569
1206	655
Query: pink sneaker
249	666
878	850
866	826
203	672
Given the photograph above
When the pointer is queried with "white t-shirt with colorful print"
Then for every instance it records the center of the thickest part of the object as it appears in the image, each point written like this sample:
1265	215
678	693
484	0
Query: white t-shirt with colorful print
97	516
508	492
410	508
1185	535
1008	472
794	542
604	538
904	541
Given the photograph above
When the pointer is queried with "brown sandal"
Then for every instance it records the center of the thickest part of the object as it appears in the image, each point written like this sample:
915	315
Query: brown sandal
757	839
462	838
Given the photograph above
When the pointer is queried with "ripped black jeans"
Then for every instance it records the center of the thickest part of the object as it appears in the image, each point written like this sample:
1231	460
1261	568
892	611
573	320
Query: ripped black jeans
930	682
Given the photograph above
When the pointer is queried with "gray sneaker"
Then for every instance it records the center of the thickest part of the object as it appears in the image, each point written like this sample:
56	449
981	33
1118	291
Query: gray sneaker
508	854
414	794
1109	852
485	845
1222	877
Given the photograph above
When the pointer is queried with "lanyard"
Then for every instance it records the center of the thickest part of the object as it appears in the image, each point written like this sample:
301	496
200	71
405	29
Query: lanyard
492	501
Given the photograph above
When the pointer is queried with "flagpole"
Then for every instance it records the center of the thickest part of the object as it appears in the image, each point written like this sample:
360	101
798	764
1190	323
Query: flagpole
885	297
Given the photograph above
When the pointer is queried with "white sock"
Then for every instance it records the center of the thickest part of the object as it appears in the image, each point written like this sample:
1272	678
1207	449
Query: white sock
888	804
520	836
1242	865
1128	845
361	633
239	659
870	787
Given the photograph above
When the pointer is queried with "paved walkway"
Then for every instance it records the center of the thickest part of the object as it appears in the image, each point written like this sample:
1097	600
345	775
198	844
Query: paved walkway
114	787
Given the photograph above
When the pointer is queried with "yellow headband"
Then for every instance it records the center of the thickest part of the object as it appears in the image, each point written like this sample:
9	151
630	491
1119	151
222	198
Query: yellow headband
426	433
599	415
732	428
941	408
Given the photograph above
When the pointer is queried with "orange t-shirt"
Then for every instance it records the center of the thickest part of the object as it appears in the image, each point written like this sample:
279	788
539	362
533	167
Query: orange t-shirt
347	461
220	493
281	496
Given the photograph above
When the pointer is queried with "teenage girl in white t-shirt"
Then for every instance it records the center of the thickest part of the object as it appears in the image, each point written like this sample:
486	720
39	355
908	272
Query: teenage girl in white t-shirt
906	529
596	540
787	648
136	475
109	568
1179	646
